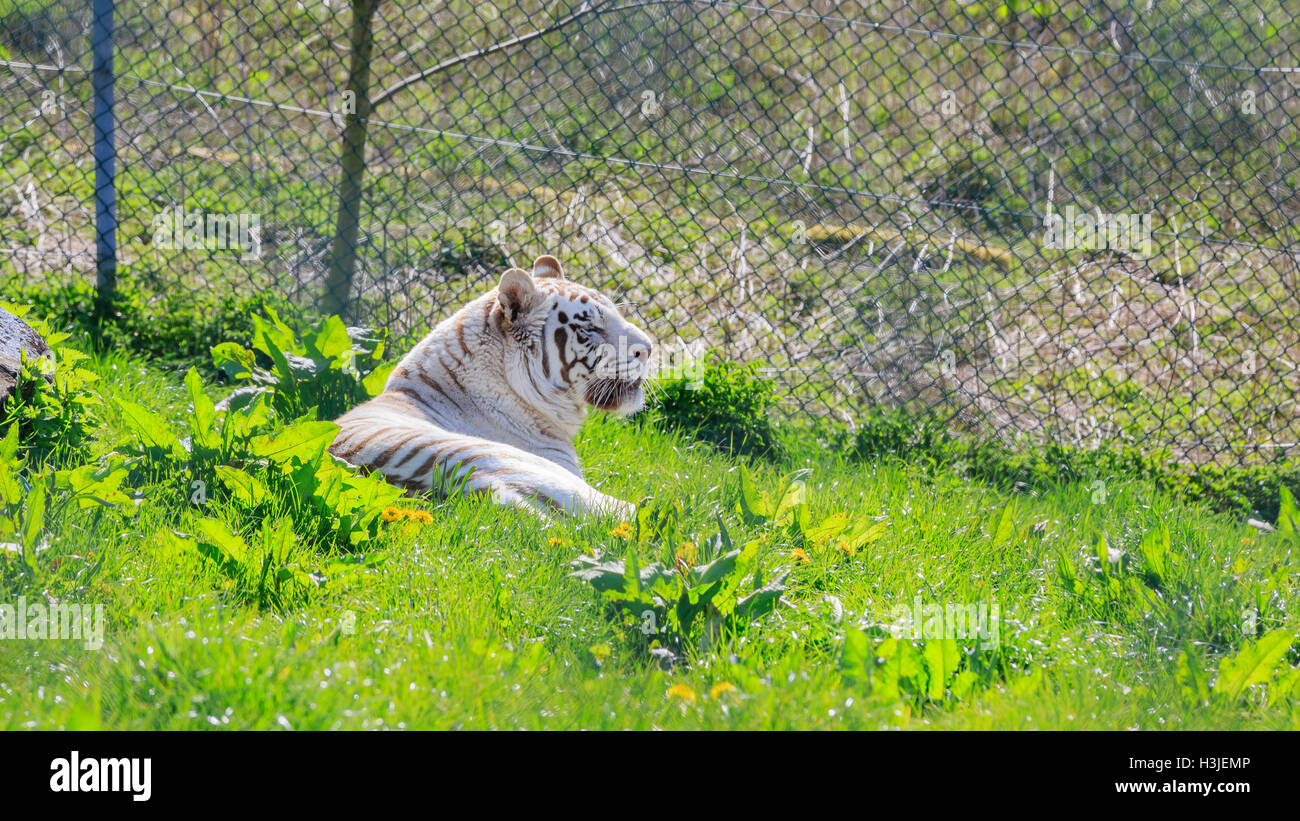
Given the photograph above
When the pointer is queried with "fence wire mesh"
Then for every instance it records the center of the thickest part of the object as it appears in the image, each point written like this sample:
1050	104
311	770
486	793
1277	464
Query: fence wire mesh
1070	220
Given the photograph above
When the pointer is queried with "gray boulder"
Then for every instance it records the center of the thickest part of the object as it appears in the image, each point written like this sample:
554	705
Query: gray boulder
16	337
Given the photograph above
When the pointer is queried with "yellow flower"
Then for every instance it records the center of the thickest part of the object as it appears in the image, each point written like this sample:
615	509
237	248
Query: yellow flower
555	541
424	517
799	555
721	688
391	514
682	692
686	552
623	531
844	547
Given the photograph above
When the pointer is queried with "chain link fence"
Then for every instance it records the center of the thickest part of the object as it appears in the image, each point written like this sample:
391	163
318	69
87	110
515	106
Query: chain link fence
1072	220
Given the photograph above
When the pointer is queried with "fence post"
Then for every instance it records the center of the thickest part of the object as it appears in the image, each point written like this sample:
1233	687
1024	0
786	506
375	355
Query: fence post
105	156
352	169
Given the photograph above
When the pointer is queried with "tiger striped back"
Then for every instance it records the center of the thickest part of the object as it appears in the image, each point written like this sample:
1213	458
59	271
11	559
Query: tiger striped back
499	389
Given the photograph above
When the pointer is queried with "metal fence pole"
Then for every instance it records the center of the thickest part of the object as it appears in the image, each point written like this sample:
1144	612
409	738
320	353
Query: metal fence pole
105	170
352	169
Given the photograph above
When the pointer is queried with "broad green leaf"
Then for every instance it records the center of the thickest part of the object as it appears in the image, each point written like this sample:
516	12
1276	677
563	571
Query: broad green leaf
793	496
1006	525
34	519
941	659
1280	691
963	683
286	379
275	337
1155	554
612	577
1288	519
718	568
1101	547
657	522
903	670
226	549
11	489
249	411
865	532
93	485
305	441
168	544
375	382
331	343
235	361
203	423
1254	664
754	504
631	573
1190	678
855	656
828	528
219	534
724	536
693	602
327	487
150	428
9	445
370	491
602	577
276	340
278	539
246	488
762	600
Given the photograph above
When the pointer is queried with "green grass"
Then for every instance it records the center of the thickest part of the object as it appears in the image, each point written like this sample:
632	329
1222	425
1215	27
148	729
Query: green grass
472	621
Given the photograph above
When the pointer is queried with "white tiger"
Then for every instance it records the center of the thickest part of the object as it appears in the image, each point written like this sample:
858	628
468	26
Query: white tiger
502	387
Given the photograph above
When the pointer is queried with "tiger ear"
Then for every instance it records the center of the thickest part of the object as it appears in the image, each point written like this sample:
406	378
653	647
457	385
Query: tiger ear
547	267
517	292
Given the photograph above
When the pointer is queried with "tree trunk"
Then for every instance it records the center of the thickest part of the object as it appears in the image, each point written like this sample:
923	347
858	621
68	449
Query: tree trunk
352	172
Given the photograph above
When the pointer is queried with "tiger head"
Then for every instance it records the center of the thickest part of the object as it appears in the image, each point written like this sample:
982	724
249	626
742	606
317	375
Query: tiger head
570	340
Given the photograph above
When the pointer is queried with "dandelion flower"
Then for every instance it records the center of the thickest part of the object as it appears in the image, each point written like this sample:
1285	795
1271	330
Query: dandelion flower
721	688
555	541
845	548
687	553
424	517
623	531
800	555
391	514
681	691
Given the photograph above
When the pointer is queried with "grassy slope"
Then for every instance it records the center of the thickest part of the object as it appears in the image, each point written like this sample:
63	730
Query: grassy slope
471	622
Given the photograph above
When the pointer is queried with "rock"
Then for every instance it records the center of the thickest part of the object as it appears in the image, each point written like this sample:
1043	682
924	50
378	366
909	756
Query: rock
1262	527
16	336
